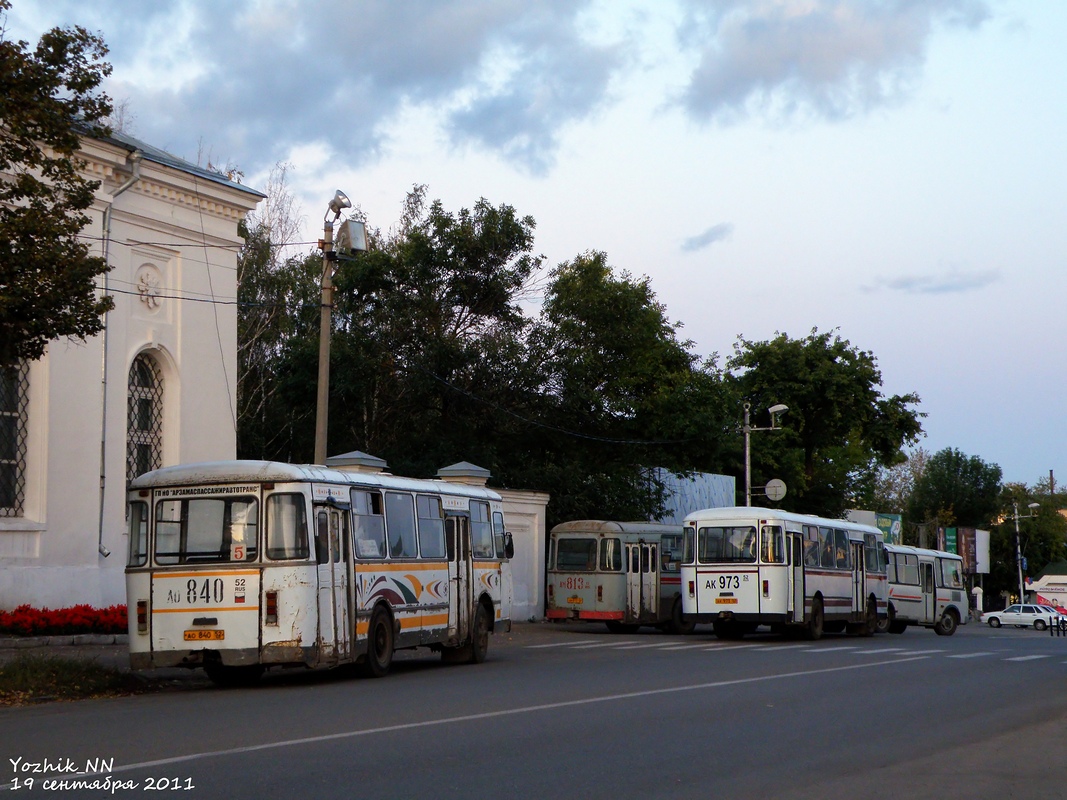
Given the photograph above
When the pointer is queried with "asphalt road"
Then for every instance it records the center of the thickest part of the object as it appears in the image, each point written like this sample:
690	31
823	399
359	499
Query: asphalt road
571	710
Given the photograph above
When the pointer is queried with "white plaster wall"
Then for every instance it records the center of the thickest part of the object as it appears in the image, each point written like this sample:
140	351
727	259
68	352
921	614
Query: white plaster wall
50	557
524	517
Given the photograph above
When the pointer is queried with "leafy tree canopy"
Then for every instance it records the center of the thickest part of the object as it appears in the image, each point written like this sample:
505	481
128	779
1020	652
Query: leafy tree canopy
956	489
50	96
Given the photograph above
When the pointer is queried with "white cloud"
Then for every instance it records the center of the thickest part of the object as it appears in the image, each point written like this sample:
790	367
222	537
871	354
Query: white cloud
830	58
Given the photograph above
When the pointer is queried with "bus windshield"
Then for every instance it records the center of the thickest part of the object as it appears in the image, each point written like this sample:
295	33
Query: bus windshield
736	544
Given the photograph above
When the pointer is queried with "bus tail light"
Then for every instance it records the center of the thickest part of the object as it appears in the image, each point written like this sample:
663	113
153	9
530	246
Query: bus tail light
142	616
599	593
692	588
271	616
766	588
551	594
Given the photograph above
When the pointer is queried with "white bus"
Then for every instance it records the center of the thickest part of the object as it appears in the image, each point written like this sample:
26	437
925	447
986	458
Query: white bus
625	574
241	565
744	567
925	588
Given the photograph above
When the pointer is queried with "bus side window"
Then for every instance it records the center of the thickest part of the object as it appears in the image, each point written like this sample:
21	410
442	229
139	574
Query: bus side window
826	547
369	533
844	560
689	545
400	525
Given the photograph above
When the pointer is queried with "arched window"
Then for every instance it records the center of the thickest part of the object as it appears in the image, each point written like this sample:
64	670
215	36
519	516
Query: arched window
14	392
144	437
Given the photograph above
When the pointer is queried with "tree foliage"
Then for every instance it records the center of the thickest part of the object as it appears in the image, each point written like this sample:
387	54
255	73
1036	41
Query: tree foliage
1042	533
956	489
839	427
624	393
50	97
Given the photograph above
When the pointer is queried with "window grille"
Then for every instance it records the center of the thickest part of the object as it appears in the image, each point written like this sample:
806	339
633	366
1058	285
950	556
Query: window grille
14	393
144	439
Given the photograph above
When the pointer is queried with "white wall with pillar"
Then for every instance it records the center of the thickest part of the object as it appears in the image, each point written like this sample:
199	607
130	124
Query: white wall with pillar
157	388
524	517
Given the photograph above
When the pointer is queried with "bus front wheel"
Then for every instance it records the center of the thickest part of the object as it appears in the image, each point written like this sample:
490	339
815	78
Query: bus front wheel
379	645
946	626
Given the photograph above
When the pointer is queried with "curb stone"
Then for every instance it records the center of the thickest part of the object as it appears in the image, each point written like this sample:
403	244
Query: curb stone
26	642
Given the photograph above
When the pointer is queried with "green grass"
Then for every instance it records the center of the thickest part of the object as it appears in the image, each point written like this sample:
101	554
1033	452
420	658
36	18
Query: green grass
31	678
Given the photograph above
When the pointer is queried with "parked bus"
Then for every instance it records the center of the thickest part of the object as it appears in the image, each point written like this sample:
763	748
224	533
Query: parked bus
241	565
925	588
625	574
744	567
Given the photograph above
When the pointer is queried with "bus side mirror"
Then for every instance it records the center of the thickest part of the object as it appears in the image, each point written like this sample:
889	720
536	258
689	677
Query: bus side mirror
509	545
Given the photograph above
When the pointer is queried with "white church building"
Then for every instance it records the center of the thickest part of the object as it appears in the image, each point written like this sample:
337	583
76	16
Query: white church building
157	387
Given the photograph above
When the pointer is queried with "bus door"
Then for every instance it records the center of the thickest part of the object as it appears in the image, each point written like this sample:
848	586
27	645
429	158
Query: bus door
333	585
859	579
929	592
460	576
797	575
642	581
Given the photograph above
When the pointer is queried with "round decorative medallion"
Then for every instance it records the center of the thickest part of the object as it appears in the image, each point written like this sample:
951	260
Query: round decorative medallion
149	282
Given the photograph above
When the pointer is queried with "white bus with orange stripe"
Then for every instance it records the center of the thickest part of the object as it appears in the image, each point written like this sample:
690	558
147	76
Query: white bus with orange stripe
241	565
744	567
624	574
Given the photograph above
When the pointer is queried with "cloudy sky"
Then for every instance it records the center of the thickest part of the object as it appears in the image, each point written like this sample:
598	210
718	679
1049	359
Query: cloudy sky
891	169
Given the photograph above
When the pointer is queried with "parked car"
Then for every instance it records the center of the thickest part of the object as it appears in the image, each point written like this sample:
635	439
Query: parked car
1022	616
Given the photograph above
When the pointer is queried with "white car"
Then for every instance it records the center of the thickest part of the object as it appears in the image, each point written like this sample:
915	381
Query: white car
1022	616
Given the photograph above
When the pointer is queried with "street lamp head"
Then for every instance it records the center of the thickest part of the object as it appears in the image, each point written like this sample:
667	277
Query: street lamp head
778	409
340	201
1033	505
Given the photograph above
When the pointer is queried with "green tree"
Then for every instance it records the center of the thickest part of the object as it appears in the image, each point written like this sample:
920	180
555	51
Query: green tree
839	427
623	392
956	489
274	294
894	485
50	97
1041	536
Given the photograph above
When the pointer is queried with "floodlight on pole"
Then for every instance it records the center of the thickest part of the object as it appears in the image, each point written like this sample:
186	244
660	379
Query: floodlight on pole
774	411
339	202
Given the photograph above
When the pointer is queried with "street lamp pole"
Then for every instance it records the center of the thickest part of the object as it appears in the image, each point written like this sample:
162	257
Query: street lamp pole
774	410
329	258
1018	544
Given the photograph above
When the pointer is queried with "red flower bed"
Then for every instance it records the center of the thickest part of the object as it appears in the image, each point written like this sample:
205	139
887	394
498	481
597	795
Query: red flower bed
30	621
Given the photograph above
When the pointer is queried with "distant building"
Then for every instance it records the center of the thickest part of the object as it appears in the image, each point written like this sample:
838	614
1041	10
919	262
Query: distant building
701	490
158	387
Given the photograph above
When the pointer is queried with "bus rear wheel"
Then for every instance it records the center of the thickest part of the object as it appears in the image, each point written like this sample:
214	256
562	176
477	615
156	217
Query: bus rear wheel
679	624
480	635
379	645
885	624
230	677
815	624
729	630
